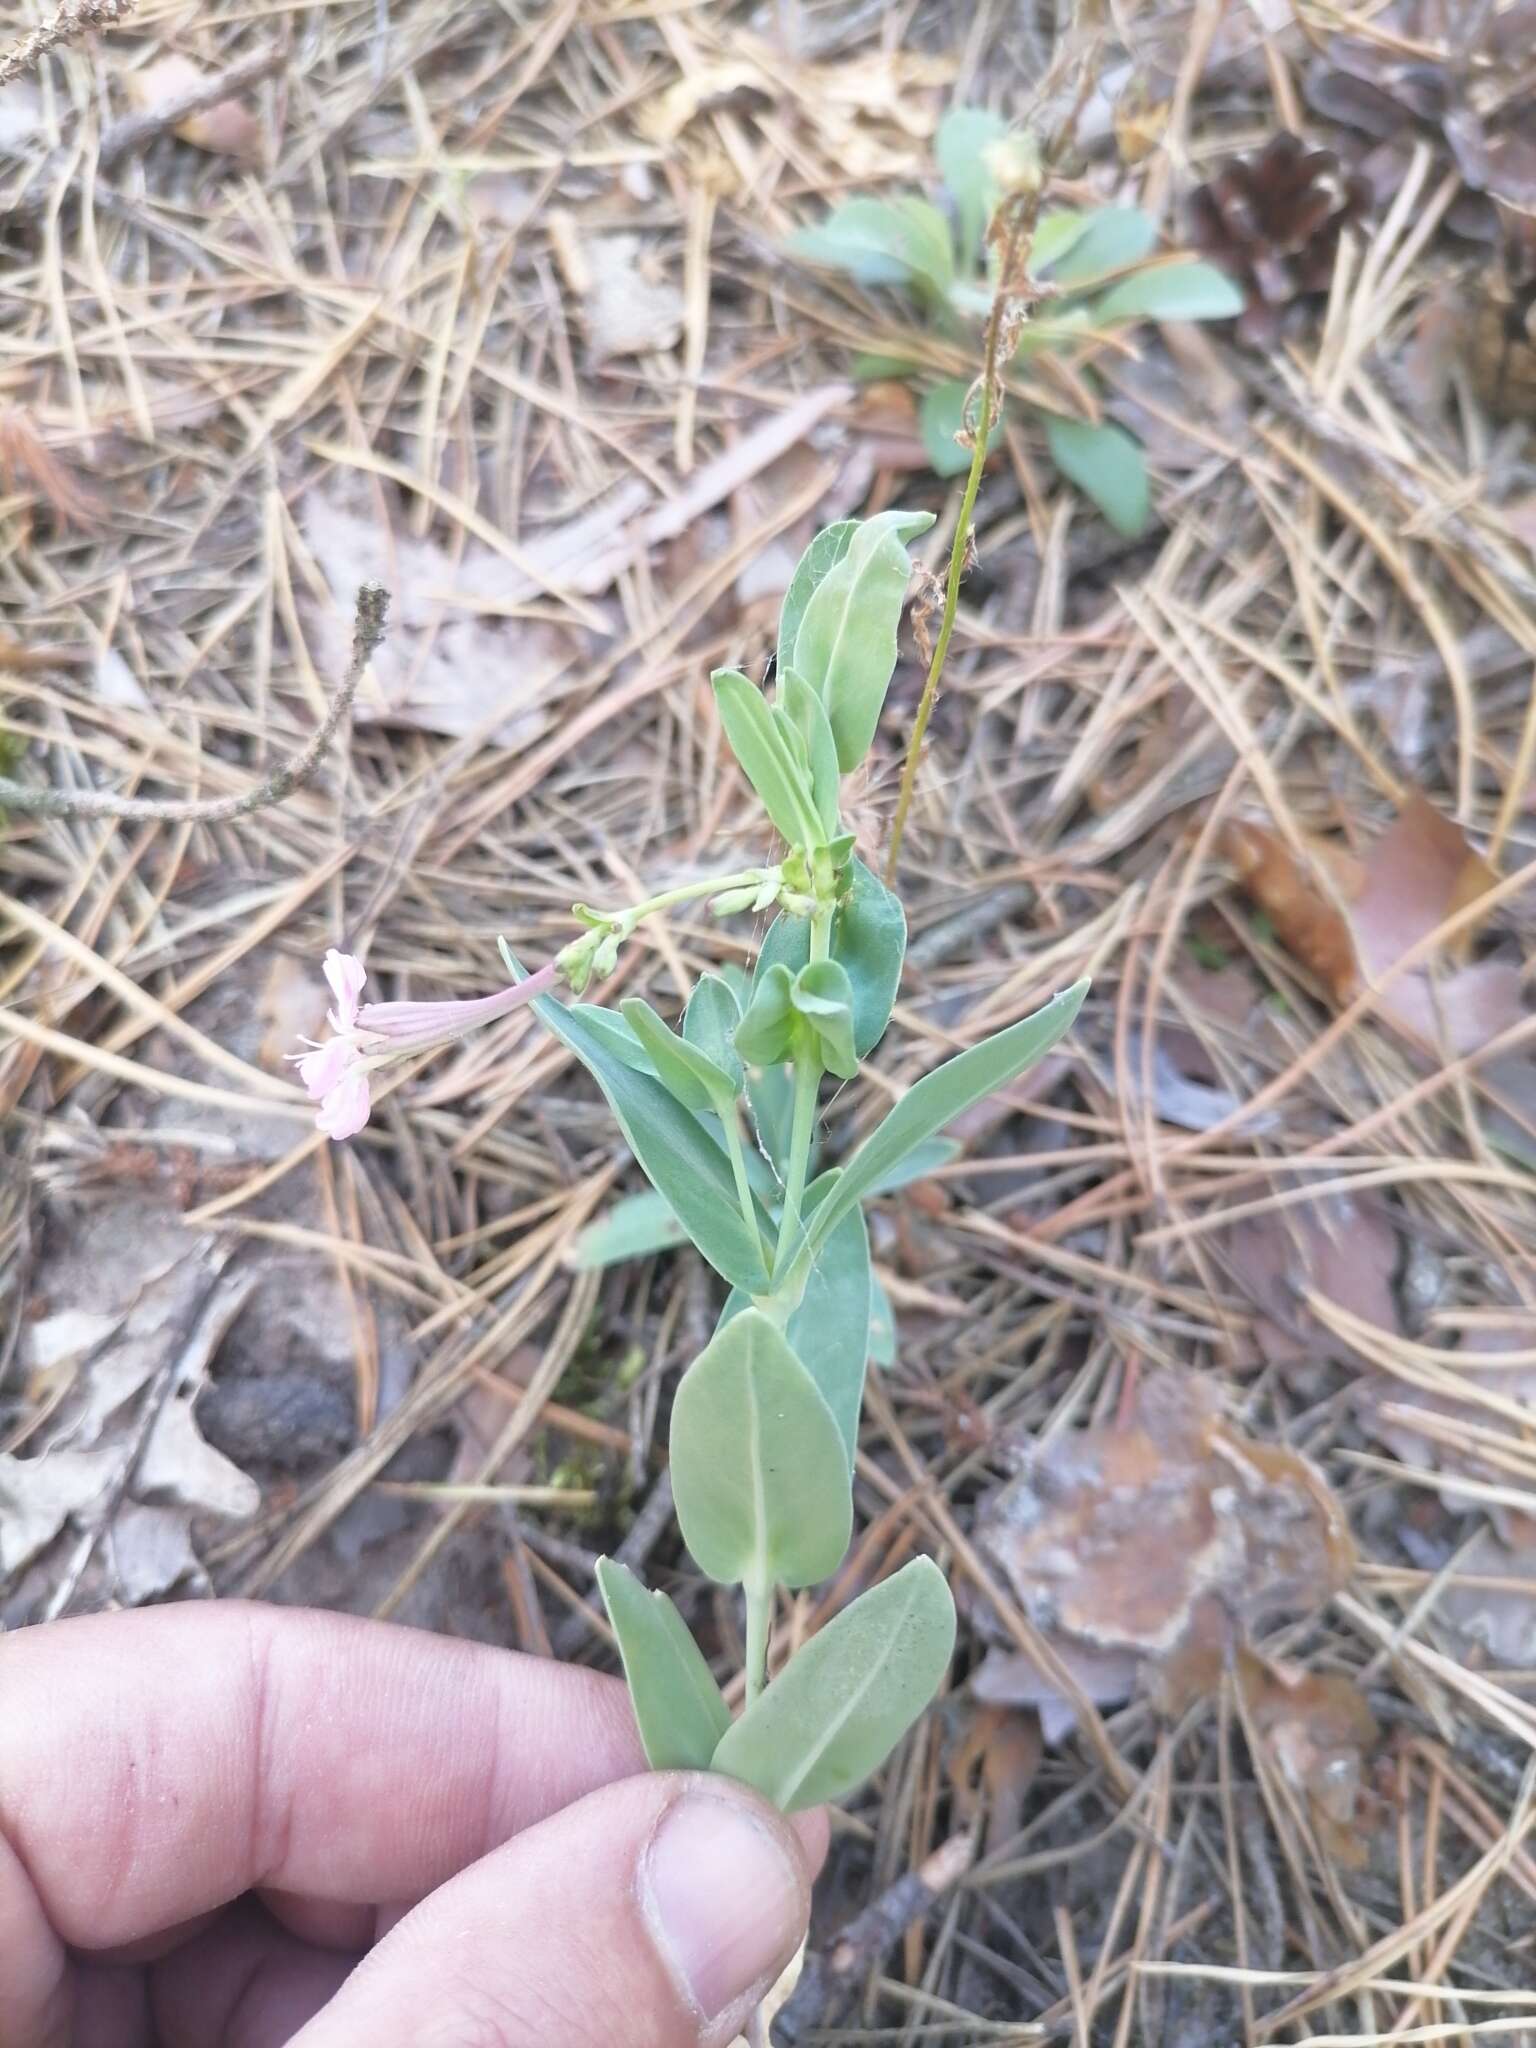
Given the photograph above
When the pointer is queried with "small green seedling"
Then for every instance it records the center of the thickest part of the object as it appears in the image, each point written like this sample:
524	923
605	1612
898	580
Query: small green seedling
722	1115
1096	270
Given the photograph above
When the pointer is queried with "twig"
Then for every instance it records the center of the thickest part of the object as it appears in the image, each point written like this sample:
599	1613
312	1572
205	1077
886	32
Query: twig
71	21
368	631
830	1980
135	132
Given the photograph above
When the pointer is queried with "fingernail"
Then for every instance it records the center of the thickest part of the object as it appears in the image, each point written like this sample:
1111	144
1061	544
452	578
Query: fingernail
726	1898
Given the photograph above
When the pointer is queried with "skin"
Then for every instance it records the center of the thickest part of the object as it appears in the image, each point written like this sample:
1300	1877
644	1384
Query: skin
232	1826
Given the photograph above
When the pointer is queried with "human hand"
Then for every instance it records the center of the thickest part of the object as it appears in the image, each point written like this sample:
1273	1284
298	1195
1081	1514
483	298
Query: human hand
232	1826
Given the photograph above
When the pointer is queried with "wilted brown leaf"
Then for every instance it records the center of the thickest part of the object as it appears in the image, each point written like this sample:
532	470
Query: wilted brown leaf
1350	921
1320	1732
1302	899
1163	1542
226	129
1335	1247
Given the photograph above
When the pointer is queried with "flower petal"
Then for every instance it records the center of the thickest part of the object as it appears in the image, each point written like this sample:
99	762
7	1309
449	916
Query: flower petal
345	1108
346	977
323	1068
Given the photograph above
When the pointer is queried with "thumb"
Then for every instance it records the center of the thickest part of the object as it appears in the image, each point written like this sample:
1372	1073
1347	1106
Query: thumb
656	1912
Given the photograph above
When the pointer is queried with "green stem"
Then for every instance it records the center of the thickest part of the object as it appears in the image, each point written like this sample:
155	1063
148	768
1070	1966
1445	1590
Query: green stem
688	892
730	1117
807	1081
759	1622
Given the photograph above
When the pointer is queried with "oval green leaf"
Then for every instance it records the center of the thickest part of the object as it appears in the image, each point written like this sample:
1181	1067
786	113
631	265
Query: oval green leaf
808	718
823	998
845	647
688	1075
1171	291
868	941
930	1103
1108	240
1108	465
630	1228
844	1701
765	758
826	550
677	1155
709	1022
759	1473
830	1329
940	417
679	1709
964	136
765	1037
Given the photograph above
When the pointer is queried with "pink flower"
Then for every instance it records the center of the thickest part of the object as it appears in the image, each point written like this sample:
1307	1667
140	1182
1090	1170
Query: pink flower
369	1035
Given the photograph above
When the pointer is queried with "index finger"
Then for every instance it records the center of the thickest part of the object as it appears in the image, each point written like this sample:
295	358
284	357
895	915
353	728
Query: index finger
156	1764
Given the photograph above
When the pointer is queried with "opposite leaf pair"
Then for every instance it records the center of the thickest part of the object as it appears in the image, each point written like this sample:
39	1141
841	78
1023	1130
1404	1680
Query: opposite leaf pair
830	1718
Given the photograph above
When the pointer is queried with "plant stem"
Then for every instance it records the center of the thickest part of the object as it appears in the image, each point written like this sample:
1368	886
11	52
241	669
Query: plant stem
730	1117
807	1081
687	892
1020	231
759	1621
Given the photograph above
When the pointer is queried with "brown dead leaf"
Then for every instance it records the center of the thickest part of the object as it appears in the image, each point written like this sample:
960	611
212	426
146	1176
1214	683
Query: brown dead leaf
1431	1430
228	128
992	1767
1167	1539
1302	899
1320	1732
1499	1618
1351	920
443	667
1336	1247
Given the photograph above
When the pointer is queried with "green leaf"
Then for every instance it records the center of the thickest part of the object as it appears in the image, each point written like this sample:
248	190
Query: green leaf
846	643
868	940
1108	465
609	1028
882	1326
678	1706
676	1154
709	1021
964	136
766	760
940	416
688	1075
759	1472
919	1163
1056	233
830	1328
882	241
765	1037
843	1702
823	998
630	1228
1171	291
771	1098
807	715
1110	239
930	1103
826	550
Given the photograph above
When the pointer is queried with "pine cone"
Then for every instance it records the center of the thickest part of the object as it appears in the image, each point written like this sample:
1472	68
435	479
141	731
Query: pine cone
1273	222
1420	79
